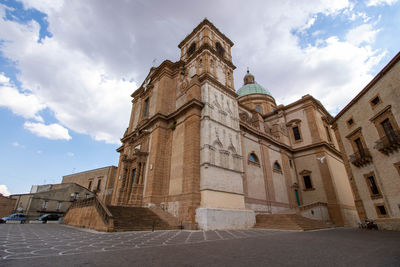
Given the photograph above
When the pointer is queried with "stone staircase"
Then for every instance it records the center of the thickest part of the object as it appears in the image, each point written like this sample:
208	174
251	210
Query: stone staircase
137	219
289	222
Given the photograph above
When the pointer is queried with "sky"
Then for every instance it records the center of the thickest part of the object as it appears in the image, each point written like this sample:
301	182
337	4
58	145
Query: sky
68	68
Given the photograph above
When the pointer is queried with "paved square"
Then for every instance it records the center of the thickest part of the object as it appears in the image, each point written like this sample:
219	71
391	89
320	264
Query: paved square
60	245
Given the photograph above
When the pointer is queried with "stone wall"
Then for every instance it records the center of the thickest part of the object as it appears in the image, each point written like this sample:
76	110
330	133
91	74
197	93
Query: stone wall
7	205
86	217
366	118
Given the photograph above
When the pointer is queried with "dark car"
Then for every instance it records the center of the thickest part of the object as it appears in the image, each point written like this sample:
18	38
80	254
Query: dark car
14	217
48	217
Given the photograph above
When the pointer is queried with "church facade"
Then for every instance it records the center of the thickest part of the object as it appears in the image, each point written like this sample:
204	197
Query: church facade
214	157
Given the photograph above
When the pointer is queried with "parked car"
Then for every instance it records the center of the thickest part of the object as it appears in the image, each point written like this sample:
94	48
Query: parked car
48	217
14	217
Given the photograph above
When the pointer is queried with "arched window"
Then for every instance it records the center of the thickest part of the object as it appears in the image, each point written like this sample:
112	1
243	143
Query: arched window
191	49
220	49
258	108
253	158
277	167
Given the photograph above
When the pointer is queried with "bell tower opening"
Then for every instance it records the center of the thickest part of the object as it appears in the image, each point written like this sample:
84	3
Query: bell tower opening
207	51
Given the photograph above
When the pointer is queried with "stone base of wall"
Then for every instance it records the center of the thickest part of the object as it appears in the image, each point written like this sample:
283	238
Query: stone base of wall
388	224
218	219
350	217
86	217
316	213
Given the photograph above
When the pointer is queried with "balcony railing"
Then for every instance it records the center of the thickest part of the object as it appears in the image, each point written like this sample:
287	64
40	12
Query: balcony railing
362	158
388	143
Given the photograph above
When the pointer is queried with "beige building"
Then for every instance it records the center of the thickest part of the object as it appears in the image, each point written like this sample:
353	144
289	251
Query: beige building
368	128
56	198
99	181
7	205
214	157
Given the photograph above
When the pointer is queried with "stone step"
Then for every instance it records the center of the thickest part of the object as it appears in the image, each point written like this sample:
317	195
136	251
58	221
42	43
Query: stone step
289	222
137	219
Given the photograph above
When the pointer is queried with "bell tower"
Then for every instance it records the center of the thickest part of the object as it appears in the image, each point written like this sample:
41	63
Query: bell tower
206	53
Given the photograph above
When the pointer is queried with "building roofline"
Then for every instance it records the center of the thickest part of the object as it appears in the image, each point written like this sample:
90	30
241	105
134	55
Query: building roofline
205	22
89	170
303	99
391	63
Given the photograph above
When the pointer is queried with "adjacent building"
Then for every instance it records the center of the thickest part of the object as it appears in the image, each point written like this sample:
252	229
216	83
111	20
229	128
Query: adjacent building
99	181
54	198
7	205
368	128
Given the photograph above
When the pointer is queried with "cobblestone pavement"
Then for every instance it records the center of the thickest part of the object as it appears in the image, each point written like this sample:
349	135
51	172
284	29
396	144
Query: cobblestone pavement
40	240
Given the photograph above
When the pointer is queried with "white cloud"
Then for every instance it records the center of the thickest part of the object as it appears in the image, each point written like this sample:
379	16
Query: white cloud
52	131
4	190
83	95
381	2
70	154
39	152
46	6
363	33
23	104
85	67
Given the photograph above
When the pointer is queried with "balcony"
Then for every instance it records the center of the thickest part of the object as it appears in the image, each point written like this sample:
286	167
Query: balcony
388	143
362	158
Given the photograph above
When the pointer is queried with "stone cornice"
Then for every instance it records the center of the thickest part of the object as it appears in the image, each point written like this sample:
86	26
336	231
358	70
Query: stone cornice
303	100
194	103
167	67
251	130
205	22
208	77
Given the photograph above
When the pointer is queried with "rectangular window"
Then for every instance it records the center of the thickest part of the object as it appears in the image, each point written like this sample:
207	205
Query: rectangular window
98	184
372	185
350	122
359	145
382	210
133	175
58	205
146	107
307	181
90	185
44	205
389	131
290	163
76	196
375	101
397	166
328	134
296	133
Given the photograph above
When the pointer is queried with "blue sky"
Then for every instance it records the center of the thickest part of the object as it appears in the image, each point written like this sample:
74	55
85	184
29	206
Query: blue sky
67	70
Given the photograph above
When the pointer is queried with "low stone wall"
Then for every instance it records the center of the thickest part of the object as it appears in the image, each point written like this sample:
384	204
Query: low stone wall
87	217
388	224
219	219
316	213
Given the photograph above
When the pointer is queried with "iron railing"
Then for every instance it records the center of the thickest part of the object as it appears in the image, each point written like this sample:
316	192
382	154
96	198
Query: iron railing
388	143
361	158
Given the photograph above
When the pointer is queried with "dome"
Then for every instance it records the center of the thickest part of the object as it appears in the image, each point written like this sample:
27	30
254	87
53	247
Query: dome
251	87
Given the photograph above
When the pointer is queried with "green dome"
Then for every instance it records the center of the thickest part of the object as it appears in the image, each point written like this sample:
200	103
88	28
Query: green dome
252	88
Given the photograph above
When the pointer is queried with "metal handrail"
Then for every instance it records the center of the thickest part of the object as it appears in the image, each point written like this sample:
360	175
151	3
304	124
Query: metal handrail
360	155
388	140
